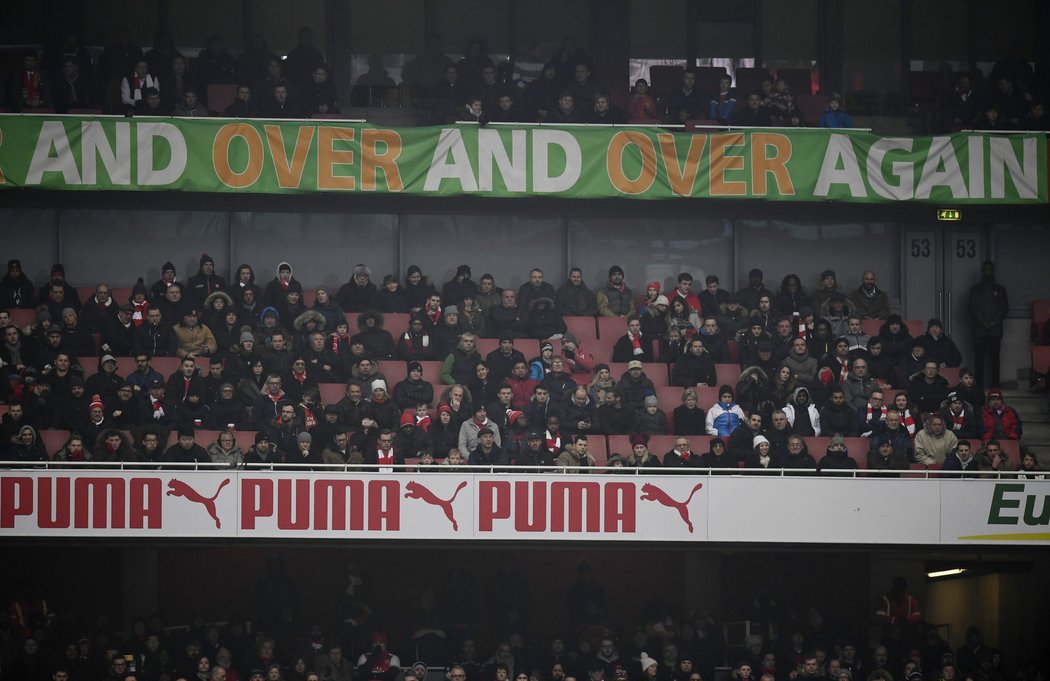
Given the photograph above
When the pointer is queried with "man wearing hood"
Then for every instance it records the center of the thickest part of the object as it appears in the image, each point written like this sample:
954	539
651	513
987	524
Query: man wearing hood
16	291
543	320
802	414
717	456
358	294
458	287
574	299
377	341
869	301
282	282
26	447
205	282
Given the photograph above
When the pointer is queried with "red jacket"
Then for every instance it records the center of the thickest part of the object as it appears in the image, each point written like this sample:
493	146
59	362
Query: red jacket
1011	424
523	389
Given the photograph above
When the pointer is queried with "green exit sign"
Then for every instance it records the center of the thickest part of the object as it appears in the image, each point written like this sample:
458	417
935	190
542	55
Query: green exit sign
949	214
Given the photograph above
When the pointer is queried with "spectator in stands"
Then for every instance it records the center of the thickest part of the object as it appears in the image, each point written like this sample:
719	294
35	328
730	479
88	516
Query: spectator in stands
650	419
896	341
725	416
999	421
194	339
215	65
615	299
1037	117
71	89
689	418
30	88
696	367
26	446
575	458
534	288
567	110
685	102
872	412
280	104
303	58
189	106
641	106
1030	468
319	94
633	345
16	290
133	86
933	443
939	347
801	364
962	459
753	114
754	290
186	450
835	116
884	456
723	103
243	105
960	106
836	457
605	112
988	308
960	417
928	389
574	298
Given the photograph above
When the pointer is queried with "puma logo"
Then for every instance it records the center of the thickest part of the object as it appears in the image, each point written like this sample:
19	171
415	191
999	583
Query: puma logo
651	492
417	491
177	488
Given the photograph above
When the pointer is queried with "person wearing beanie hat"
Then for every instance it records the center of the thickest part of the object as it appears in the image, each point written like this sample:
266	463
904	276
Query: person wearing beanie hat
16	291
725	416
413	390
834	116
652	289
458	287
760	456
358	294
826	287
754	290
305	452
651	419
649	667
939	347
276	292
615	298
837	457
167	278
43	314
205	282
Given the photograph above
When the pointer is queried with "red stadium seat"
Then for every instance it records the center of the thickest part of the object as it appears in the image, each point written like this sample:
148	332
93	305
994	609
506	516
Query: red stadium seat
811	106
23	318
728	373
333	392
951	374
121	294
394	322
598	448
611	328
220	96
165	366
431	373
1040	363
53	440
1040	314
1012	450
584	328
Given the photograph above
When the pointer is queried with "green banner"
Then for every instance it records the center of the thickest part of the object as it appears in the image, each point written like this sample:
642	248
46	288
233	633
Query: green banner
277	157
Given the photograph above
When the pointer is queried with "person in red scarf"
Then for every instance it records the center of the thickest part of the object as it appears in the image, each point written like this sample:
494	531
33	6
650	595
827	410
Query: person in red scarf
379	664
133	85
30	89
631	345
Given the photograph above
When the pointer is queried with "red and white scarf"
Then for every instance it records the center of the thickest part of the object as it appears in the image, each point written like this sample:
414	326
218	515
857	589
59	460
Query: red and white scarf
908	420
882	414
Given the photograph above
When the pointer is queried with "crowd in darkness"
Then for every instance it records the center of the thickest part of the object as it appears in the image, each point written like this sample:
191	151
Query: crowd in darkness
475	627
251	356
563	88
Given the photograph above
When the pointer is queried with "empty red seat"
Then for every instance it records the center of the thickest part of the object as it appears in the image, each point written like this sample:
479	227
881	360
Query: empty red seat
220	96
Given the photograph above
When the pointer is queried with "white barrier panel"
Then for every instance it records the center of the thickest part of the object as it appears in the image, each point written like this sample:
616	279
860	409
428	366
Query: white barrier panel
459	506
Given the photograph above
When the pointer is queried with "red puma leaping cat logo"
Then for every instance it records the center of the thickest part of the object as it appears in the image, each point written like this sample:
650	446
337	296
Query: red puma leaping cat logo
417	491
651	492
177	488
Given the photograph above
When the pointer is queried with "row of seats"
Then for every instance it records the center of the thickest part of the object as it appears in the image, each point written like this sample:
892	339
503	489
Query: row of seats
396	369
599	446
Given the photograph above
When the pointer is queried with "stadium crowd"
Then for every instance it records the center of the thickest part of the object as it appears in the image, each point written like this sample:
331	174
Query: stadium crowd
473	627
563	88
251	356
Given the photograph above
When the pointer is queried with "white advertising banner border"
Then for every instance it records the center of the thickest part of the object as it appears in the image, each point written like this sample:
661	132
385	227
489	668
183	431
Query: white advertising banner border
462	506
